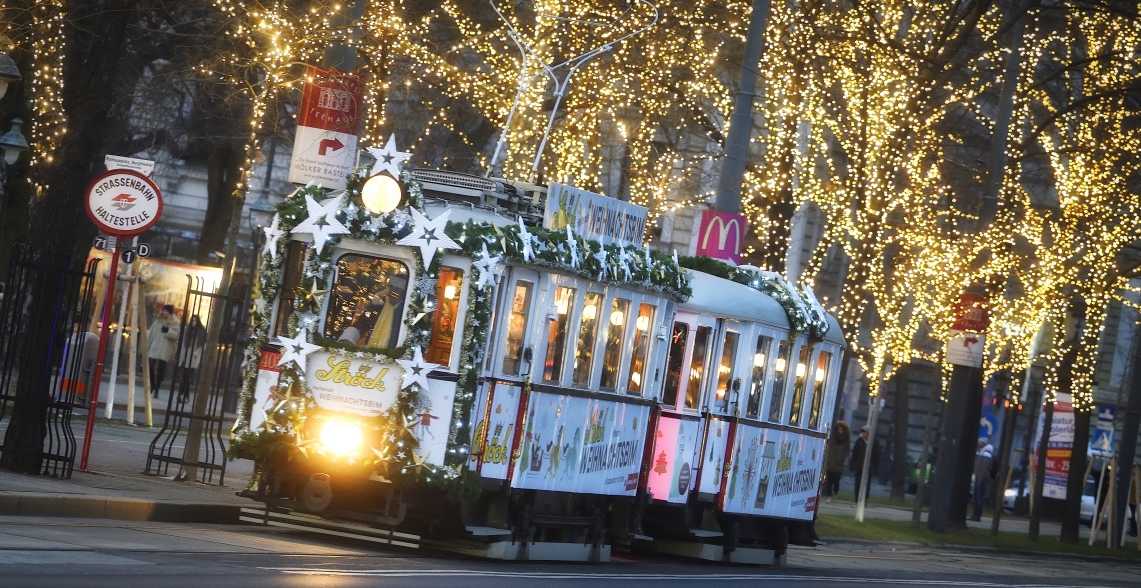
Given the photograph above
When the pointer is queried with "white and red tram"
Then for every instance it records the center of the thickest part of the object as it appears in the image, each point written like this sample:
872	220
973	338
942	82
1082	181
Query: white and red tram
604	413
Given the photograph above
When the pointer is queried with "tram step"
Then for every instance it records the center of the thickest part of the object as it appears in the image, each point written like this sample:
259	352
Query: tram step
711	552
704	534
488	531
314	524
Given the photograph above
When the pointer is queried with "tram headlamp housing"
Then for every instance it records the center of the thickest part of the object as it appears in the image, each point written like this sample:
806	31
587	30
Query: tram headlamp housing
381	194
340	437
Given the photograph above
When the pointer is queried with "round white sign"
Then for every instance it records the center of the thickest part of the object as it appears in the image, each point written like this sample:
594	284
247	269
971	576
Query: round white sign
123	202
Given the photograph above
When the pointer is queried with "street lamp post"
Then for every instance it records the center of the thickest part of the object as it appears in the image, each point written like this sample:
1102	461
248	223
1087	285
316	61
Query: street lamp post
13	144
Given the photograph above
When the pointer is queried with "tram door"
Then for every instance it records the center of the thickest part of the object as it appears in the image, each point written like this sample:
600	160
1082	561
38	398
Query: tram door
722	390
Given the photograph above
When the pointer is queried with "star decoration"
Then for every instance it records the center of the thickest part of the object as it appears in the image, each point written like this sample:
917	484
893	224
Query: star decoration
624	261
425	285
382	455
312	294
296	350
322	222
416	370
429	235
487	266
388	158
376	223
418	461
261	305
273	234
572	244
525	241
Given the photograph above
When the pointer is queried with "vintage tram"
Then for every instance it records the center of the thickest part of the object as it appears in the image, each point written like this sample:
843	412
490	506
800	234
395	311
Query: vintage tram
502	368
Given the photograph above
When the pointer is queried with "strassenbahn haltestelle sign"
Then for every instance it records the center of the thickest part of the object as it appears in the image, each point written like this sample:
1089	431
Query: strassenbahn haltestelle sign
123	202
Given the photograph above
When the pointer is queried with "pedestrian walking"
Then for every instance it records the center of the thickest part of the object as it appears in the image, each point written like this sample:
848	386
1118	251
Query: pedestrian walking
857	463
163	337
839	446
984	473
190	354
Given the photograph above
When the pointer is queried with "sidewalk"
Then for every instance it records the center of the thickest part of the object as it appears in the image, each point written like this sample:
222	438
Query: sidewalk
115	487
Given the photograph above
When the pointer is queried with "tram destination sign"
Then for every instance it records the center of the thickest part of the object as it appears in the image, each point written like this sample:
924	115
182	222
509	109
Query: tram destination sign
123	202
594	216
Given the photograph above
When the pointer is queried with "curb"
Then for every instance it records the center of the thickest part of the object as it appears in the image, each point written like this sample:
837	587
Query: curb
125	509
978	549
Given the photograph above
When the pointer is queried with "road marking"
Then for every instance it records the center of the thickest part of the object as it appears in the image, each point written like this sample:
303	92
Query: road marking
540	575
846	556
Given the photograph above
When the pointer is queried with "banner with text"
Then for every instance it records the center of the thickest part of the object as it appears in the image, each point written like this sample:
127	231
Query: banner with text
585	445
352	385
494	413
773	473
673	465
594	216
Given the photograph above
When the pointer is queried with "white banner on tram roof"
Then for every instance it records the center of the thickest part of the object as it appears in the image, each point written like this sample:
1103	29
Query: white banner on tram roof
713	461
594	216
774	473
498	431
585	445
673	462
352	385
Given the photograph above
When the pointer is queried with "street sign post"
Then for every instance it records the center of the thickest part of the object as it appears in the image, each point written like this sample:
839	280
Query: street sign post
122	203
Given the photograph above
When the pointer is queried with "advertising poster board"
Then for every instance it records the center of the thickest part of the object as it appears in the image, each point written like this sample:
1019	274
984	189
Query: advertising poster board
164	282
350	385
594	216
584	445
325	146
673	461
265	388
434	419
498	431
713	456
773	473
1059	448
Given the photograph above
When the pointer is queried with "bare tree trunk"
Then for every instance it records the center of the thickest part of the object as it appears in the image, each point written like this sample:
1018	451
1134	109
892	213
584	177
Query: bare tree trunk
223	170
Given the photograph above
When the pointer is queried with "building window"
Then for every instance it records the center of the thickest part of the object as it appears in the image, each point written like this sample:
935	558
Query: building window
517	327
368	301
678	339
448	290
799	385
642	327
557	335
291	273
725	372
776	404
760	364
820	378
612	353
697	366
584	347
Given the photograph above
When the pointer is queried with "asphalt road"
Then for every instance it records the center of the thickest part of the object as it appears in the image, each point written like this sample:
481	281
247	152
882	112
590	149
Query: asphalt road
83	553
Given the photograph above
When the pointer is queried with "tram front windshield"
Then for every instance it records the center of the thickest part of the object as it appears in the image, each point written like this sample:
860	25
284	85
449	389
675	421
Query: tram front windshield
367	302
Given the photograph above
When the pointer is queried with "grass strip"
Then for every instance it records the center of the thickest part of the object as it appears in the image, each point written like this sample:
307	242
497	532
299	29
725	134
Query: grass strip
830	526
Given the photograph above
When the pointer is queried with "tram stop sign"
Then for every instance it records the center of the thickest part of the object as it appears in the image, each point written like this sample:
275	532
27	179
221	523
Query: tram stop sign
123	202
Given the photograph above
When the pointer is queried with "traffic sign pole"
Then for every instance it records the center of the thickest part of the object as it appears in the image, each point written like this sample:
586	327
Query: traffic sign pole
103	335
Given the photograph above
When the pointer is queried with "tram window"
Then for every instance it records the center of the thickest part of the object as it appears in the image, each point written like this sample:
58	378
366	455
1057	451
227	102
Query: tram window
760	362
678	339
641	347
697	366
725	371
781	367
368	301
499	289
291	279
584	347
799	385
517	327
612	353
448	289
820	378
557	335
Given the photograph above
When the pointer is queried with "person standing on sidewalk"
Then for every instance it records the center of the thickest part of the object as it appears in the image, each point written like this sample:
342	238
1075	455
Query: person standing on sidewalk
984	466
163	337
839	446
857	463
193	342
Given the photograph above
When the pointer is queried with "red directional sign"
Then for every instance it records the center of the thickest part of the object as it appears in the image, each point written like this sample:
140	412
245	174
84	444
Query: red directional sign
324	149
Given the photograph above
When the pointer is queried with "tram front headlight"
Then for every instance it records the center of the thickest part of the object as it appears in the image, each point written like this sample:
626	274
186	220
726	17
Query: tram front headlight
381	194
340	437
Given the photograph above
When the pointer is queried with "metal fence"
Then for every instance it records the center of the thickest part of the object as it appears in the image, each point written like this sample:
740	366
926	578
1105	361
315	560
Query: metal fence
196	407
47	359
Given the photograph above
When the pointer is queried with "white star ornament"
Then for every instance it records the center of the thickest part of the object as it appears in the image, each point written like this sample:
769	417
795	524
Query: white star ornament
322	222
428	235
416	370
388	158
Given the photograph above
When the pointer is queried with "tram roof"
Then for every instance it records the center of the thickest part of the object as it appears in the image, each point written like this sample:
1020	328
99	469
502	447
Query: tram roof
726	298
464	212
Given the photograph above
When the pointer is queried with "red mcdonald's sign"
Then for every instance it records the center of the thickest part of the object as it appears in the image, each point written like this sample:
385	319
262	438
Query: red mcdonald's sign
721	235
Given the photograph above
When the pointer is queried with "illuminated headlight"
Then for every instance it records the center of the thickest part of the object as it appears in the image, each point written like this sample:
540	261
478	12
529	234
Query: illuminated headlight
340	437
1010	492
